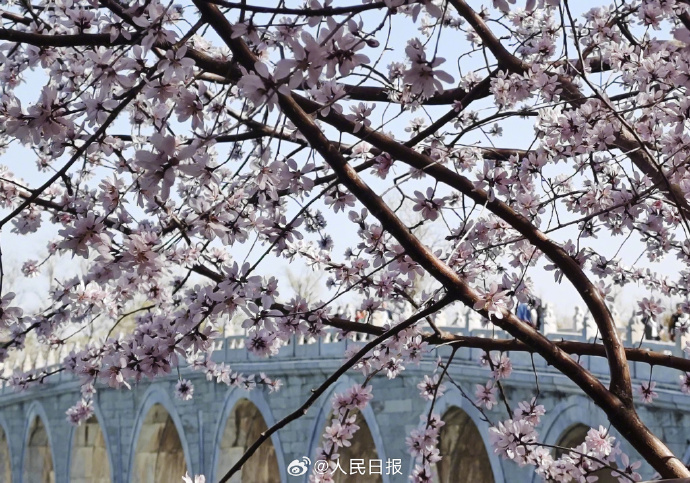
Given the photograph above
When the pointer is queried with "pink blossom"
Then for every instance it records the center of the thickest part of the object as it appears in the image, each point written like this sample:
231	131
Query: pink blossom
430	388
646	392
600	441
485	395
184	390
502	368
196	479
493	300
685	383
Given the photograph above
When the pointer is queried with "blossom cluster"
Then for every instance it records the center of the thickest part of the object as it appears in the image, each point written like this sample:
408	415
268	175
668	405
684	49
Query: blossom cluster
403	153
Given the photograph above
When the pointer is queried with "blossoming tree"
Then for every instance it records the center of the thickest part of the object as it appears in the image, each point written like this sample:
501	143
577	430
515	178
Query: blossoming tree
184	150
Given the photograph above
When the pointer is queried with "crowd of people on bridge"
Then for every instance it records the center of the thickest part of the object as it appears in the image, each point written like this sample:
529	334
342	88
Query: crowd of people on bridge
533	312
667	328
662	328
536	313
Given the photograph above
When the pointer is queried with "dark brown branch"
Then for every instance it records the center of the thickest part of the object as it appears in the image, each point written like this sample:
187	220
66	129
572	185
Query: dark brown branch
14	17
311	12
61	40
572	270
577	348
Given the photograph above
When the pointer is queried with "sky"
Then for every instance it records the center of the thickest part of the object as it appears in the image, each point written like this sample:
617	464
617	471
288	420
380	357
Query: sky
17	249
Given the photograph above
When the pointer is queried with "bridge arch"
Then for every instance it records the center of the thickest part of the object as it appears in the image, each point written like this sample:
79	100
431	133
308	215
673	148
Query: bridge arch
453	404
89	442
574	436
686	455
571	411
368	416
461	454
38	454
5	453
254	404
568	422
158	427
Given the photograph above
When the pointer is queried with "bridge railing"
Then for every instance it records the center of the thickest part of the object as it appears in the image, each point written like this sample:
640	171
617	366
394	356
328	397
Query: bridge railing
232	349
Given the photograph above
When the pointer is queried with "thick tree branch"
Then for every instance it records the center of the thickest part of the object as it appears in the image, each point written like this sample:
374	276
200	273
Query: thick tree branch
571	347
621	414
572	270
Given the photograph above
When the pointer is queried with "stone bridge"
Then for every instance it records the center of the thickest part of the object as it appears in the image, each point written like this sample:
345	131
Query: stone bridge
146	435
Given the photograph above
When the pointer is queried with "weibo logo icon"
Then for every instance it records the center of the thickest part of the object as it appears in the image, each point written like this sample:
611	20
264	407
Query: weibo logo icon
298	467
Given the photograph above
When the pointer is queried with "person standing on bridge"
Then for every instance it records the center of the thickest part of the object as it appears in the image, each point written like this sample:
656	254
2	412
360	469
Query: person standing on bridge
675	322
524	313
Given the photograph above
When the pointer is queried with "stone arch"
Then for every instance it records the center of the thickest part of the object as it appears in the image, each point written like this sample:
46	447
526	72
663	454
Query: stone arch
455	405
88	447
39	464
159	456
233	436
571	437
571	411
5	456
361	447
244	425
686	457
461	454
369	433
574	436
563	425
159	448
